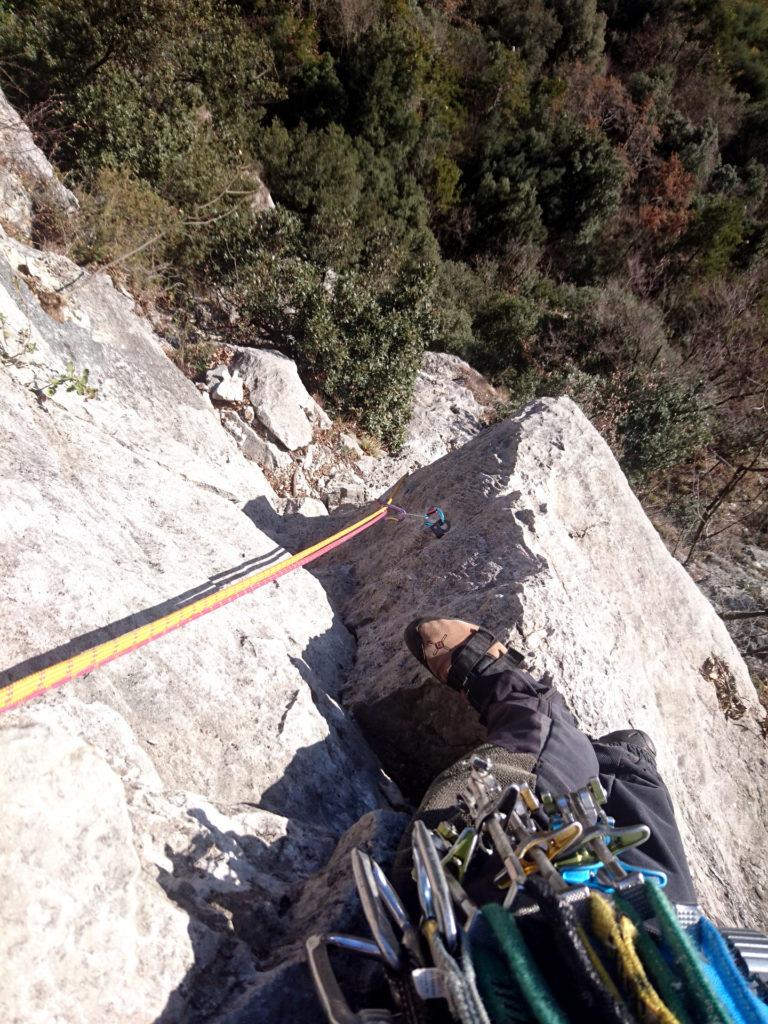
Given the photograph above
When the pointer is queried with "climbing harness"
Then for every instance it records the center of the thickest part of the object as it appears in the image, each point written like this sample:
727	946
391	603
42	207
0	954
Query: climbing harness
36	683
581	935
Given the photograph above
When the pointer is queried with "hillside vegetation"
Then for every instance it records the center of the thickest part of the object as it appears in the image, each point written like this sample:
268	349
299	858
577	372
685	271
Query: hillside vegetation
571	196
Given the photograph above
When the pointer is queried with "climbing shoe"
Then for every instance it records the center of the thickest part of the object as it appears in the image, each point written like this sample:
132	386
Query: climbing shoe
456	652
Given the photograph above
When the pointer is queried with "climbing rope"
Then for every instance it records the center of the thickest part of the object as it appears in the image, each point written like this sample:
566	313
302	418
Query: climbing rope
64	671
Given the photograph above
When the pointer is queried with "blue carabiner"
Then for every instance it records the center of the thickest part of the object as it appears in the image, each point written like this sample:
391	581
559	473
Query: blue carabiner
435	520
588	876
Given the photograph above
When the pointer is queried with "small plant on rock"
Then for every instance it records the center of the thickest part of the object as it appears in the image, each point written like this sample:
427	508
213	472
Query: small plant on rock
70	380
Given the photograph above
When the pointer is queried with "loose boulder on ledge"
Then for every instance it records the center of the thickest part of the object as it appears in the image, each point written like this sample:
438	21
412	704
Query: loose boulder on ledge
279	399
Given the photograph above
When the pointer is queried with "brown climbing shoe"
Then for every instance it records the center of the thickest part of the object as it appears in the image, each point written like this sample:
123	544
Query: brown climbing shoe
455	651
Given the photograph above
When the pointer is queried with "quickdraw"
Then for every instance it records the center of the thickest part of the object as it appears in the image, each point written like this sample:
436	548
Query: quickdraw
435	955
434	519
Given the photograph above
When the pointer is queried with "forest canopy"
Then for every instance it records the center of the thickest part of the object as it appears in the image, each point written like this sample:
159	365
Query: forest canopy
571	196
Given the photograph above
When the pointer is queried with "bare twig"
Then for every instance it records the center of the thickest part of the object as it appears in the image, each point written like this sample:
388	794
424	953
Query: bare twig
732	616
190	222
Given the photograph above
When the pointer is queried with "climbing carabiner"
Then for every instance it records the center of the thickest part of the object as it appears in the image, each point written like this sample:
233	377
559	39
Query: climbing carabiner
396	513
435	520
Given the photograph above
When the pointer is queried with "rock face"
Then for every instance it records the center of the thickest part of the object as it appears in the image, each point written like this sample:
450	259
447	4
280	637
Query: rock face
173	825
736	582
228	389
162	816
280	400
550	549
25	174
86	858
451	404
262	452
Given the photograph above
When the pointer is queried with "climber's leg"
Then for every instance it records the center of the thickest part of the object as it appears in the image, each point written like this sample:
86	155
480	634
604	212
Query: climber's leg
526	715
523	715
636	793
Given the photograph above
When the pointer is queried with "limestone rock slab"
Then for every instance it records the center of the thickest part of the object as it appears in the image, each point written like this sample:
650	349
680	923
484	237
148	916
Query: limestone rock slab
228	389
75	901
264	453
119	508
16	206
451	404
19	153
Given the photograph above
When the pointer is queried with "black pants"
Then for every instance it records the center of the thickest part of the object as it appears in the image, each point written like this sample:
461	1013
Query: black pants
524	715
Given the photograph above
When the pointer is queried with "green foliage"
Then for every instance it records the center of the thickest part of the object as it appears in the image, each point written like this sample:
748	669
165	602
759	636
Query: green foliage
662	423
604	329
716	234
503	333
123	219
383	76
71	381
156	87
742	39
543	187
558	177
446	183
360	349
696	144
356	211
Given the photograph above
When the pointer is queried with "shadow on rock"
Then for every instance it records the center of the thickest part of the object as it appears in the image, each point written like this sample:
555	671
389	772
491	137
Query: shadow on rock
253	901
120	627
250	911
417	732
333	783
235	891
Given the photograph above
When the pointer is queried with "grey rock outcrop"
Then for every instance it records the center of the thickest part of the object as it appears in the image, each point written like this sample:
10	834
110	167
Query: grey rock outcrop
138	825
550	549
264	453
736	581
341	490
229	388
451	404
311	508
280	400
175	823
26	171
69	849
16	204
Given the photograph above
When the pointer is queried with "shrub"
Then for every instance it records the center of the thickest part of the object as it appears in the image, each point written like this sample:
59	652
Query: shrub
604	329
123	220
716	234
355	210
360	349
556	176
503	330
662	423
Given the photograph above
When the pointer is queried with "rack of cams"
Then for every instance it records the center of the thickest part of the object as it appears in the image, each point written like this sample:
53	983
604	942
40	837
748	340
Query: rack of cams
566	840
